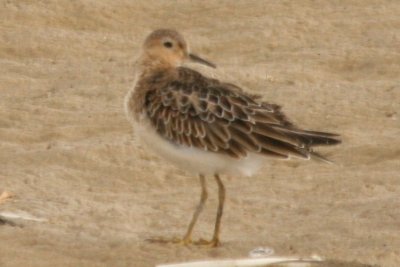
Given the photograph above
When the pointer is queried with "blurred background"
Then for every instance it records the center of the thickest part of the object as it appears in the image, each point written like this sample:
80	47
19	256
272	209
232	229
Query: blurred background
87	194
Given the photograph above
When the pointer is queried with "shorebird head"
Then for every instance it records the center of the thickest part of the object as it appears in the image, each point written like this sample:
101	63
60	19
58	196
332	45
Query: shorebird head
170	48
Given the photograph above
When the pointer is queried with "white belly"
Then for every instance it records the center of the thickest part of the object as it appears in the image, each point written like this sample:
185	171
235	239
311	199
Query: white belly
194	159
190	158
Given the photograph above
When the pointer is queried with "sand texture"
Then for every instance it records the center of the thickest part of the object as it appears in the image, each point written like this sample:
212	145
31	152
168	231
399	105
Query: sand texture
88	194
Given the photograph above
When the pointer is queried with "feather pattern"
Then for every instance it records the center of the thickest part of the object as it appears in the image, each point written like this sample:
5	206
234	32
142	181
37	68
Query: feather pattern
191	110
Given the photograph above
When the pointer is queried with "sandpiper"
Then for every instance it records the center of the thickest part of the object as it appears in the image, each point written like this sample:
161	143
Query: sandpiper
208	126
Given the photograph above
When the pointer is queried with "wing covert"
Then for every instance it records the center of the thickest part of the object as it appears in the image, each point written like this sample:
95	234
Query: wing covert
195	111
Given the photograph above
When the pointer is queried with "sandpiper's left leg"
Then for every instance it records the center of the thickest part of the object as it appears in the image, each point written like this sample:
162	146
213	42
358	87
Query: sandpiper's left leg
187	239
214	242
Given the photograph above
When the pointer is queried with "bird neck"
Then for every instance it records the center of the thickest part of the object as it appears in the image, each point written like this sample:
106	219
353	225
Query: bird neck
148	63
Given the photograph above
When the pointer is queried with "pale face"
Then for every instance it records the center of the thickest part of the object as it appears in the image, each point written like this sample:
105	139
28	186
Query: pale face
169	47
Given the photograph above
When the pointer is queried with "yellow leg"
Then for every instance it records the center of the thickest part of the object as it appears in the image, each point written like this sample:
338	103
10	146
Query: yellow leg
214	242
187	239
221	201
188	236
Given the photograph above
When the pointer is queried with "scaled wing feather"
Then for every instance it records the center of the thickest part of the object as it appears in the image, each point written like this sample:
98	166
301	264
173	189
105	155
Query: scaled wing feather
194	111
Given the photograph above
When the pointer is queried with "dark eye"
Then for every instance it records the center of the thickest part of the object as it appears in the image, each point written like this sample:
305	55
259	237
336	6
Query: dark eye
168	44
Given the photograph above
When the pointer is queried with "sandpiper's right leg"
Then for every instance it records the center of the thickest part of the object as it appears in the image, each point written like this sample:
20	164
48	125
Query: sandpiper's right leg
214	242
187	239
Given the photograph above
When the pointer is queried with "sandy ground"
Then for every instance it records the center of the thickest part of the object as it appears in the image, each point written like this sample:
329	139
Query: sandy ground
68	155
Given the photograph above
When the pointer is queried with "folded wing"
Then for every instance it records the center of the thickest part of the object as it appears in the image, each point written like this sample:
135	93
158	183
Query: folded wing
195	111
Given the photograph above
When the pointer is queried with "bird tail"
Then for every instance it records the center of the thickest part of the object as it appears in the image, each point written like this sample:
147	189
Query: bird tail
318	157
312	138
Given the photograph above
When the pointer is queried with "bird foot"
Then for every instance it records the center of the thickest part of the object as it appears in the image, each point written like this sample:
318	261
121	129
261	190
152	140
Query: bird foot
208	243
